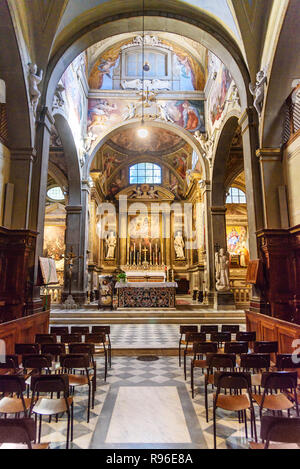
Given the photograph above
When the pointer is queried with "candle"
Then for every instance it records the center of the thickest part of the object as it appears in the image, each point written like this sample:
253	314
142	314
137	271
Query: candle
140	253
150	253
133	253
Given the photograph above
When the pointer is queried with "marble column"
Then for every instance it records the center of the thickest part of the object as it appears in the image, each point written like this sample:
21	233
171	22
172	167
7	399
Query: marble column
37	204
249	131
271	168
252	178
123	231
209	248
77	238
21	177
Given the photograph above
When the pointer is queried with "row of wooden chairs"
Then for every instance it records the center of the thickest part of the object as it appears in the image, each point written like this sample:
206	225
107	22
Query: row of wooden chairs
84	330
189	334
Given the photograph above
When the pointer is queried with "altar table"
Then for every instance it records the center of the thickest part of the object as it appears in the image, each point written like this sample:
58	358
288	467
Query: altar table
146	295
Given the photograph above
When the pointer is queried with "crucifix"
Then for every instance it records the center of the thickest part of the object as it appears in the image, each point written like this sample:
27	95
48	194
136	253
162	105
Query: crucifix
70	258
145	250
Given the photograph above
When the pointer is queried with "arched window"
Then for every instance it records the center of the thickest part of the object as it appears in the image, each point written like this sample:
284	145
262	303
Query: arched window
145	173
55	193
235	196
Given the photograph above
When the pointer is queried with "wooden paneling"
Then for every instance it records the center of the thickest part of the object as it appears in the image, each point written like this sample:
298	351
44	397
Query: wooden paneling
280	256
268	328
23	330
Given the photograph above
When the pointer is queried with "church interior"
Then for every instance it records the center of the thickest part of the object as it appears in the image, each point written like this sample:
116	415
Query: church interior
149	224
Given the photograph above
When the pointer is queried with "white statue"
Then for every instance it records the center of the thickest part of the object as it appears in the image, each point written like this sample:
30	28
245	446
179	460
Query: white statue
207	144
136	84
58	97
34	80
88	140
164	114
152	193
258	90
222	270
179	245
138	194
111	243
130	112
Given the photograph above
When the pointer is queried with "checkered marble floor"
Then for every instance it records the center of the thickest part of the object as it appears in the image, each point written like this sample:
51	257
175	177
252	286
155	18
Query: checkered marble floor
127	371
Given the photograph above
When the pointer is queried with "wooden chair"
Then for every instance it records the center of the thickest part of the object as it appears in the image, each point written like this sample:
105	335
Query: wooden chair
30	349
183	330
104	330
200	349
238	401
220	337
283	384
16	403
45	339
265	347
55	350
280	430
256	363
82	330
11	364
246	336
59	330
80	362
87	349
216	362
190	338
208	329
236	347
232	328
52	407
19	434
70	338
99	341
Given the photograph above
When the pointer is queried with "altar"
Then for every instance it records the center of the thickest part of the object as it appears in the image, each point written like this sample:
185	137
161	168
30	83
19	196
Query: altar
146	295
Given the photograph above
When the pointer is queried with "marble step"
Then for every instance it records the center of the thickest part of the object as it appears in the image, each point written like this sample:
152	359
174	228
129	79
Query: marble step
147	320
239	314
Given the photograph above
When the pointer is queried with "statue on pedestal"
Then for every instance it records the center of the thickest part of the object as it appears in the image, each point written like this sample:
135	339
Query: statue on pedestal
179	245
111	243
222	270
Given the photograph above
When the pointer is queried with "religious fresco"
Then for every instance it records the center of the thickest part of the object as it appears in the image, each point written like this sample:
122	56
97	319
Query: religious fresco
218	94
54	241
159	141
188	114
104	114
75	102
190	73
237	243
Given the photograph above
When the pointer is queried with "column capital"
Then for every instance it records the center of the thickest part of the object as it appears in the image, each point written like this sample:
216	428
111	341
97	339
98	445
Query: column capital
247	119
23	154
269	154
46	119
73	209
218	210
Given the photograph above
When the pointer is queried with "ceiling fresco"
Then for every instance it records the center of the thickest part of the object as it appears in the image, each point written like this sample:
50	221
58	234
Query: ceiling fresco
158	142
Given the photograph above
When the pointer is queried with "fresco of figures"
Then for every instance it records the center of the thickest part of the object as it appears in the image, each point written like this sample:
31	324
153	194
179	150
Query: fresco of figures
237	243
219	92
106	71
104	114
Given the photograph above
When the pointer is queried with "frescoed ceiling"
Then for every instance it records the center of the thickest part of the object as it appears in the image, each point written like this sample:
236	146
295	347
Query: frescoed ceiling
158	142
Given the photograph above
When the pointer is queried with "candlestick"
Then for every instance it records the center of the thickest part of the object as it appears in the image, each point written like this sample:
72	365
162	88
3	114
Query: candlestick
133	253
140	253
156	253
150	253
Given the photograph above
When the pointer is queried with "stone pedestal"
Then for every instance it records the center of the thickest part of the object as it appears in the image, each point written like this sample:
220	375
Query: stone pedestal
224	301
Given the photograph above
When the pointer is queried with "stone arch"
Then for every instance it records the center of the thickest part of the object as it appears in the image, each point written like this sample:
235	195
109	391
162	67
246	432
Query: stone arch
20	128
201	28
279	88
70	152
57	174
135	123
226	135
